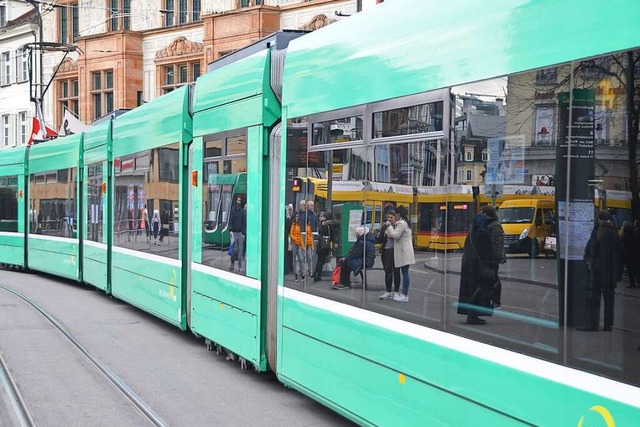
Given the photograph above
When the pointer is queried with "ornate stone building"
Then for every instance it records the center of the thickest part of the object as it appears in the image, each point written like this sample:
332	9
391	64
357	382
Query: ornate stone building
131	51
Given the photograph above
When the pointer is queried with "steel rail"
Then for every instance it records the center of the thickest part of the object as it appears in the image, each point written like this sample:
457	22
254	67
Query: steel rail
130	394
18	403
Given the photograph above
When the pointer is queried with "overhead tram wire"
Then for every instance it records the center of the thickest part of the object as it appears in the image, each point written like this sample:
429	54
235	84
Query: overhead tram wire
130	394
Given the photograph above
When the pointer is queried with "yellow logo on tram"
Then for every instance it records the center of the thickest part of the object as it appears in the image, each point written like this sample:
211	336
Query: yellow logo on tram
603	413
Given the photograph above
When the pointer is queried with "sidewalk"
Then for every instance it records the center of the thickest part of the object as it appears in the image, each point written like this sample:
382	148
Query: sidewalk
539	272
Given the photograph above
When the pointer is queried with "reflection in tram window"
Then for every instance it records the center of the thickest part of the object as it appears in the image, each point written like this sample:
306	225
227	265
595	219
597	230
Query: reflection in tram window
94	202
53	198
9	203
146	201
224	182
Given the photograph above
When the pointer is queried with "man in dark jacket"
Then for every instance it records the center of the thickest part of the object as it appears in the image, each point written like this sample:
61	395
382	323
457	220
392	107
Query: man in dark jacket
496	233
603	258
361	255
238	228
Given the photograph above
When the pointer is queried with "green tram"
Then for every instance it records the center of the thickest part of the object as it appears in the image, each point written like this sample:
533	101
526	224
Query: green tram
133	206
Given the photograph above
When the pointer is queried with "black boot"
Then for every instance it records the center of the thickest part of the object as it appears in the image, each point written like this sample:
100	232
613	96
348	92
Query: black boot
472	319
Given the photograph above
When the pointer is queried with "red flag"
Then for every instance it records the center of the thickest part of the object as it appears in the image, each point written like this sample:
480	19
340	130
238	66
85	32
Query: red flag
36	132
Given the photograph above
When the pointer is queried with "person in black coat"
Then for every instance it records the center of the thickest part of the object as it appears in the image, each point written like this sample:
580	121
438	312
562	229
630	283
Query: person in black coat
477	277
361	255
238	227
324	244
630	256
603	257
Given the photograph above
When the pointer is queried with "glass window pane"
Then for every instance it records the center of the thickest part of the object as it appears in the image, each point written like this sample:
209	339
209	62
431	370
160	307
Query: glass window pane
95	214
52	207
96	80
109	79
168	75
146	209
196	70
224	201
347	129
9	203
182	70
236	145
408	120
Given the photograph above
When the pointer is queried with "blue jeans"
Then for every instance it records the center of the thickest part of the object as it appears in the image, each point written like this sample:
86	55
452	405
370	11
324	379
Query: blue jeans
405	279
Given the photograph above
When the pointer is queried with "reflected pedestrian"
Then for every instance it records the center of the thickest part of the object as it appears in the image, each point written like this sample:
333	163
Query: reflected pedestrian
324	244
403	255
477	277
288	254
496	234
300	243
603	258
391	273
630	256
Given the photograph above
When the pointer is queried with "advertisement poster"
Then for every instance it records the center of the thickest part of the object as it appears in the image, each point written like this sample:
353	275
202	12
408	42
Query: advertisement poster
355	220
505	164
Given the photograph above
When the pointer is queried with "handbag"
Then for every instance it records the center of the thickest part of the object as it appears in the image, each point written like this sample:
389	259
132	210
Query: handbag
325	242
335	276
230	250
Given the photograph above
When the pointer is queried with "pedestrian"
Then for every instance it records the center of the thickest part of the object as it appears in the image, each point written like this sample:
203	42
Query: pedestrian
603	257
477	276
324	244
238	227
496	234
630	256
165	219
155	221
391	274
288	254
361	255
144	221
300	243
403	255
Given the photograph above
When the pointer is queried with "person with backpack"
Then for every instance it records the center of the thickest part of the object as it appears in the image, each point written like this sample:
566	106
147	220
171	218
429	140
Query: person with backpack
361	255
477	278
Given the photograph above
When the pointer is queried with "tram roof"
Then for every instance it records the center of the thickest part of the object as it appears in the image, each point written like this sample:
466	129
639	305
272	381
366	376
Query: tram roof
404	47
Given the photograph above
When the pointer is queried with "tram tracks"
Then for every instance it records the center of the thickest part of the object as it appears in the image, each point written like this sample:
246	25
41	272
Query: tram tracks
18	402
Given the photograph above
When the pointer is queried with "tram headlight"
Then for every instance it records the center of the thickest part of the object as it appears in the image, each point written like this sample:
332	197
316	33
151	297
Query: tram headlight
524	233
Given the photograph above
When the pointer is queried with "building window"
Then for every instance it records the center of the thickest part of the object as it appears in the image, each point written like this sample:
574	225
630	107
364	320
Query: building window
544	125
6	130
102	93
247	3
68	16
119	14
3	15
468	175
485	155
176	75
5	68
22	127
469	156
179	12
547	75
22	66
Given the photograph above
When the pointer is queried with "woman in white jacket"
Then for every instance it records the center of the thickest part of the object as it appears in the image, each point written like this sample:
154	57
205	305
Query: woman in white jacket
403	255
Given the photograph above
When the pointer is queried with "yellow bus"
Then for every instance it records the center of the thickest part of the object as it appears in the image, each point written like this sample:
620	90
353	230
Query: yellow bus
444	216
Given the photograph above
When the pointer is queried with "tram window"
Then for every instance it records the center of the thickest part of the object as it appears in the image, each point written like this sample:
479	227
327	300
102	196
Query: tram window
54	216
345	129
9	203
225	166
408	120
146	201
95	212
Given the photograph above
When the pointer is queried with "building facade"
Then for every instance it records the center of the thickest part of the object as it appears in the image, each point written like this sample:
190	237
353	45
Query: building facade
131	52
18	26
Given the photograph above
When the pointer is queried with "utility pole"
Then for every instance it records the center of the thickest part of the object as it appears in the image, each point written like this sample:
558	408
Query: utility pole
36	91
